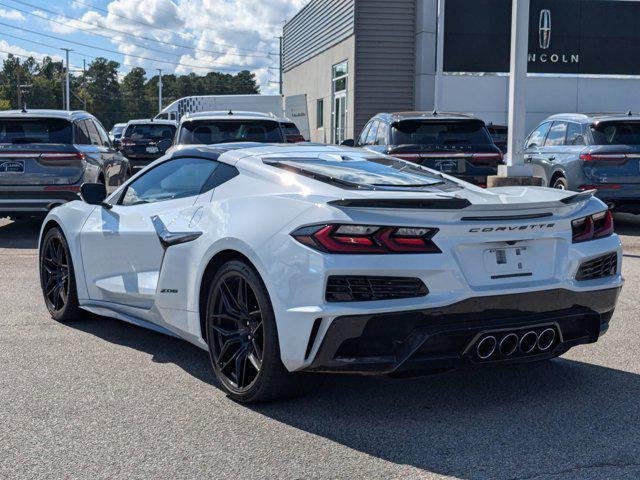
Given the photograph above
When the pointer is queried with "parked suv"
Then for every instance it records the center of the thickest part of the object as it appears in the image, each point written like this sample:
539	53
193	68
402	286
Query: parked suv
590	151
453	143
145	140
46	155
206	128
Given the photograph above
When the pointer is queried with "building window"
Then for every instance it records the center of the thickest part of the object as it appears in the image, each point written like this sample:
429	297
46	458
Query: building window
339	79
320	113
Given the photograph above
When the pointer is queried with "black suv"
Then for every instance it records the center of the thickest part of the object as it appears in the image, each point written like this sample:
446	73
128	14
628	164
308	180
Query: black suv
143	141
454	143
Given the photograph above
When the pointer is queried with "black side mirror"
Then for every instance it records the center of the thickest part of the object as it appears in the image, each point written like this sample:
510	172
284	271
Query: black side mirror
348	143
93	193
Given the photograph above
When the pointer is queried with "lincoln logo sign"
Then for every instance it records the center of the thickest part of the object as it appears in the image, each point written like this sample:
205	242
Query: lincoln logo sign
545	29
544	37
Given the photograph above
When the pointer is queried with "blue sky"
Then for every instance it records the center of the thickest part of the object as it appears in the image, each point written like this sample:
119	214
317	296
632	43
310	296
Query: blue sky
178	36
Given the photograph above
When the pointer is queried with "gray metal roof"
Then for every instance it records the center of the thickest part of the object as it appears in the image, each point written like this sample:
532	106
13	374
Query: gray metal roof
398	116
42	113
595	117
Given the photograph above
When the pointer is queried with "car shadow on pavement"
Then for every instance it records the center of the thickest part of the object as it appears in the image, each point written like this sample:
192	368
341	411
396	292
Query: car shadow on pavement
20	234
558	418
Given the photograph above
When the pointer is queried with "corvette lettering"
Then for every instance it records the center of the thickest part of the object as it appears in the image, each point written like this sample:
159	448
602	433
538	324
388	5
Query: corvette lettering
512	228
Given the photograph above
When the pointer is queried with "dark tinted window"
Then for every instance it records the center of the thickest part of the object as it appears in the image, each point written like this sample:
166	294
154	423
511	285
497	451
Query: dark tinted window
575	135
150	131
556	134
290	129
104	138
457	133
536	138
179	178
81	133
32	130
208	132
369	171
94	136
616	133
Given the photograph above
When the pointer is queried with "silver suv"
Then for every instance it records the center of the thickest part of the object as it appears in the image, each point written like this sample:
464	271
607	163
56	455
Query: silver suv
590	152
46	155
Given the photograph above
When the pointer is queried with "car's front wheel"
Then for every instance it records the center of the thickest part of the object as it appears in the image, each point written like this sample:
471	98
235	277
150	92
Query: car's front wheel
243	339
57	277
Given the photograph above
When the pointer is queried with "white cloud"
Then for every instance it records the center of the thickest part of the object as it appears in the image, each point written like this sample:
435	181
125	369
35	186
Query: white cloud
224	35
11	15
21	52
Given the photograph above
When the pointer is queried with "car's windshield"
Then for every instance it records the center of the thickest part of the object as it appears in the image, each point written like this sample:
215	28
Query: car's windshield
440	134
35	130
616	133
359	171
150	131
207	132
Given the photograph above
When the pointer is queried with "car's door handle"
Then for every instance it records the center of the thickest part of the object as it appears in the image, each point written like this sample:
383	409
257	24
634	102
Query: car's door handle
167	238
552	158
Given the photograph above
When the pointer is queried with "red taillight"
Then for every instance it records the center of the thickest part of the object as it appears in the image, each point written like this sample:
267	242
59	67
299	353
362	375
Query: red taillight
599	187
363	239
605	157
598	225
295	139
53	156
62	188
487	156
127	142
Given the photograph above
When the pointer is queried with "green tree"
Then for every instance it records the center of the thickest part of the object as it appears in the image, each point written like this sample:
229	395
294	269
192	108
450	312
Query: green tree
103	90
133	94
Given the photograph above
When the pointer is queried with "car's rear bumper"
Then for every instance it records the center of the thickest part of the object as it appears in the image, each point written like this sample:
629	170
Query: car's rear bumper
623	198
445	337
35	199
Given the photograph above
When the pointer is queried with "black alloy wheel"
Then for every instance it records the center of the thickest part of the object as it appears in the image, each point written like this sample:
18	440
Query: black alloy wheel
236	332
243	339
561	184
57	277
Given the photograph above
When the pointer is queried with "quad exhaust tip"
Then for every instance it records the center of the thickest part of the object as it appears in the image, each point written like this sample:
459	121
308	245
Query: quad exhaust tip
508	345
546	339
528	342
486	347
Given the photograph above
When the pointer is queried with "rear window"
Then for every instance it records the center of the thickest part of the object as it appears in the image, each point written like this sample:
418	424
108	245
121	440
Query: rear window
150	131
35	130
441	134
208	132
117	131
616	133
361	172
290	129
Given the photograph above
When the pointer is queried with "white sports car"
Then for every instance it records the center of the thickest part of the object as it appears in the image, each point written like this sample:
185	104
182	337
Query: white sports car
284	260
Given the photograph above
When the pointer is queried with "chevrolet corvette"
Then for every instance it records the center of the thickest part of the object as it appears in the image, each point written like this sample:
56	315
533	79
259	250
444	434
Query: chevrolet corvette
282	261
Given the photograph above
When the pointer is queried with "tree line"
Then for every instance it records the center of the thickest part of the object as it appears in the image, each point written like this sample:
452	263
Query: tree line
100	90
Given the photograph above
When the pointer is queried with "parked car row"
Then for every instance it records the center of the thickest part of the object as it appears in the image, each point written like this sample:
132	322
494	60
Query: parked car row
568	151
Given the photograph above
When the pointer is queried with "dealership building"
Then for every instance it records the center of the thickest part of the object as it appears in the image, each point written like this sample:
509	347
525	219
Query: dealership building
355	58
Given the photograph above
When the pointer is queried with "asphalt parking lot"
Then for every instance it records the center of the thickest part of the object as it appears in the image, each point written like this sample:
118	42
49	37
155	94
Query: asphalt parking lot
98	398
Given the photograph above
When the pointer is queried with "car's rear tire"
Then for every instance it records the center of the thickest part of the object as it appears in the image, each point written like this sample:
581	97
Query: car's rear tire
561	183
243	339
57	278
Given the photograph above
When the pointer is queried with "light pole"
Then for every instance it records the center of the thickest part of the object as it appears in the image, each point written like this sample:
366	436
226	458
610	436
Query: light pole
516	172
67	95
159	90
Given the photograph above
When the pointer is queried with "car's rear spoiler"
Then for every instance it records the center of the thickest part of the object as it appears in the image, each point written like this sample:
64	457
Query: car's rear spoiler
413	203
579	197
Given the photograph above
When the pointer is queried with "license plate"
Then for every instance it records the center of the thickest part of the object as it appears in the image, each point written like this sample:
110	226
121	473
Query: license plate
447	166
507	262
152	150
12	166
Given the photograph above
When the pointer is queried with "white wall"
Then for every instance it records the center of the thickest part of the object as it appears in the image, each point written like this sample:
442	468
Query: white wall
486	96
